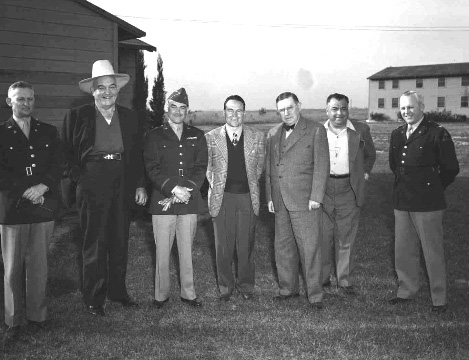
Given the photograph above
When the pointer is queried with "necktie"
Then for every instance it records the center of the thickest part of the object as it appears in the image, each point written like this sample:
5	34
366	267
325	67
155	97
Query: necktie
288	127
235	139
25	128
409	131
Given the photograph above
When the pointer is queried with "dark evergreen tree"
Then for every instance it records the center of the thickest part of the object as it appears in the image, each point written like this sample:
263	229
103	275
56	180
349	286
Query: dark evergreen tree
141	89
158	98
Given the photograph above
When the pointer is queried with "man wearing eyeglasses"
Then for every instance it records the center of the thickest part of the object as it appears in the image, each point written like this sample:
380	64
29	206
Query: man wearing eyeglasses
103	151
235	164
297	168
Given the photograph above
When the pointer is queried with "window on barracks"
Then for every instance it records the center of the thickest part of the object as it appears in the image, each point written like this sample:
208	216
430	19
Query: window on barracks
395	102
381	103
441	82
464	101
382	84
465	81
419	83
440	102
395	84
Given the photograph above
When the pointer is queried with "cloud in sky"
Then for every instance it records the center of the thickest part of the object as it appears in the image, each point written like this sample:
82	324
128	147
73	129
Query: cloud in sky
304	79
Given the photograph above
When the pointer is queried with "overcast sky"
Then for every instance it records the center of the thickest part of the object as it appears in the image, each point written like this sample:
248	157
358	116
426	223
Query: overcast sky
258	49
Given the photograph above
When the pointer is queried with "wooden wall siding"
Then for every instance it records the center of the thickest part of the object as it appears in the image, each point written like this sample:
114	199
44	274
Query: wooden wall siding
127	65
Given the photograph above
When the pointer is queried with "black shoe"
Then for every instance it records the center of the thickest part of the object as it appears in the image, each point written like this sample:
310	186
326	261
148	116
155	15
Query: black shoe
398	300
97	310
281	297
225	297
127	302
318	305
247	296
349	290
326	284
194	302
11	337
36	326
159	304
439	309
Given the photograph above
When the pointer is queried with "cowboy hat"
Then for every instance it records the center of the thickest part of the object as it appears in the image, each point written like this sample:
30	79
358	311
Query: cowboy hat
103	68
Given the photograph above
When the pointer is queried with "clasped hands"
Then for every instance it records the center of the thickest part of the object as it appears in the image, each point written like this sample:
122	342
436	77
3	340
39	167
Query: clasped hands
35	193
181	194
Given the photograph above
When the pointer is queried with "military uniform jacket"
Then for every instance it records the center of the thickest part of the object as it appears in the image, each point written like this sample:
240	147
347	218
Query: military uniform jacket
78	135
170	162
423	166
27	162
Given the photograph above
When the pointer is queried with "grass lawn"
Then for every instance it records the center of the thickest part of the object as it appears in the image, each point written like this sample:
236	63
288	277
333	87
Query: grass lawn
363	327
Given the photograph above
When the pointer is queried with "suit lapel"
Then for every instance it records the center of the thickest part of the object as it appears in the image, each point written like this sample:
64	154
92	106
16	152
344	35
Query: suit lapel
220	140
126	140
353	145
248	144
297	134
275	142
421	130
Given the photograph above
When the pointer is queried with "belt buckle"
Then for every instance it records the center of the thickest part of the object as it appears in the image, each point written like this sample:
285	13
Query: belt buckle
108	157
181	172
29	171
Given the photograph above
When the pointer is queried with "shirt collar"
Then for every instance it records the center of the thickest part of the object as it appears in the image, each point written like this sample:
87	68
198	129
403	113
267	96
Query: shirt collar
348	125
230	131
175	126
416	125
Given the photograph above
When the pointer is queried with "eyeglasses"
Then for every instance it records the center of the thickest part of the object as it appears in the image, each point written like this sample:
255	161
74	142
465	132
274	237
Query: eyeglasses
231	112
287	110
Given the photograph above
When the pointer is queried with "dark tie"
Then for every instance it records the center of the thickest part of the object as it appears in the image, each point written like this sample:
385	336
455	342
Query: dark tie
288	127
235	139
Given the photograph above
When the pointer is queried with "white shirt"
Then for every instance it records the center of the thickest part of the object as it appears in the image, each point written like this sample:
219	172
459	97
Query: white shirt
231	130
338	149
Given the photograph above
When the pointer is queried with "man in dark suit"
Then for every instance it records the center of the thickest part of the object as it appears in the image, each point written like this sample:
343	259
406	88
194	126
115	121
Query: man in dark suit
352	155
297	168
176	162
423	160
31	165
103	149
235	164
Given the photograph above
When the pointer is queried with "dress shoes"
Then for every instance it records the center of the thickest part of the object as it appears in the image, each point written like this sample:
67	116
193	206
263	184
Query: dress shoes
97	310
159	304
247	296
397	300
11	337
127	302
439	309
194	302
318	305
281	297
225	297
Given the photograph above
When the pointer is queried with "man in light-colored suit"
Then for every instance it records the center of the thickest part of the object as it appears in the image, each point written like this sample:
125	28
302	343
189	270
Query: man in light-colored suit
235	164
297	168
352	155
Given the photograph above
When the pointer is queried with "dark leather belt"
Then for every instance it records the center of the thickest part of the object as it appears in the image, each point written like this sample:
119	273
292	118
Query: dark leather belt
116	156
343	176
403	170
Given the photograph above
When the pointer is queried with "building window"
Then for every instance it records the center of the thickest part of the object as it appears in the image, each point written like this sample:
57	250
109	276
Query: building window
465	81
440	102
441	82
395	84
464	101
381	103
395	102
419	83
381	84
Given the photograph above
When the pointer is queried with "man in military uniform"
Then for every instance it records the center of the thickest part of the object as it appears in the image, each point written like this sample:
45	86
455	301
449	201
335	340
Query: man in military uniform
423	160
175	157
30	170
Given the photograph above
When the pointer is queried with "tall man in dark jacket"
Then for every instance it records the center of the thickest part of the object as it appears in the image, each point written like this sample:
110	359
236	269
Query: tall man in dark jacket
176	162
30	170
103	149
352	155
423	160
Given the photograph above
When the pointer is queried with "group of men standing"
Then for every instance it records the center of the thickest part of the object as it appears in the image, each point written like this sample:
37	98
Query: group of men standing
315	178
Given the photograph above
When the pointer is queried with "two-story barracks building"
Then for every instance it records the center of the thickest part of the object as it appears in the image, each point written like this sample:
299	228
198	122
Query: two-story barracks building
443	86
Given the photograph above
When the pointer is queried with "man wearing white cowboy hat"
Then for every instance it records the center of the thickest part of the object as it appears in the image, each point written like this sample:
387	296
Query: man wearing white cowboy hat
103	151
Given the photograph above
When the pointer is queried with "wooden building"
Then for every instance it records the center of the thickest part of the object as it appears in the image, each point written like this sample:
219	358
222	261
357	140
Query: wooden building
443	86
53	44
